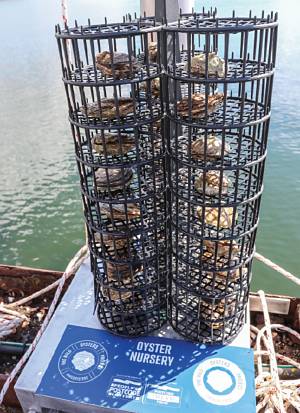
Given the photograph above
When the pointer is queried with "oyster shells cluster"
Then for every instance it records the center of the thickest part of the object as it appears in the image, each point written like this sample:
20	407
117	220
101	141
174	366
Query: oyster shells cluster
212	147
198	101
121	212
211	183
214	216
126	301
154	87
215	65
113	242
121	272
118	296
214	313
113	143
222	248
112	179
124	296
119	267
117	65
219	264
118	248
108	109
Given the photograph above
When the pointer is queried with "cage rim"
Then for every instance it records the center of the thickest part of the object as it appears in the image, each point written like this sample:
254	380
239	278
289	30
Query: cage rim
131	230
216	126
210	238
98	124
220	80
136	27
252	24
217	204
213	167
247	259
112	82
120	165
237	289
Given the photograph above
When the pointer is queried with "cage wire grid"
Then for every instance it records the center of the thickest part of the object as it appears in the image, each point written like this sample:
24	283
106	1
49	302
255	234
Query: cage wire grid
170	124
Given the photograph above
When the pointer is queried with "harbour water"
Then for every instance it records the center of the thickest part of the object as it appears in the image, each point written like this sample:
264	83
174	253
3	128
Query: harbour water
40	209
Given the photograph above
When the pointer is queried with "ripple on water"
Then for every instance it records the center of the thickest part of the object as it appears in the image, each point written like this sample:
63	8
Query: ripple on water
40	207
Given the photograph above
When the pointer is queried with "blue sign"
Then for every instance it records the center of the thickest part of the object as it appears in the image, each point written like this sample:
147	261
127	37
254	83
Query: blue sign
149	374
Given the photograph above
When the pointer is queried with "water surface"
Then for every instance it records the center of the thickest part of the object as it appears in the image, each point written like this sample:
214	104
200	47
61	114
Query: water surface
40	209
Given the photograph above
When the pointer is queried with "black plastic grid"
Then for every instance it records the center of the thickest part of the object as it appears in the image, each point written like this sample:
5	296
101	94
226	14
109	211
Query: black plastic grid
236	71
131	25
219	78
202	254
134	306
152	215
241	148
207	235
89	75
137	250
214	320
186	218
195	22
112	82
230	115
146	181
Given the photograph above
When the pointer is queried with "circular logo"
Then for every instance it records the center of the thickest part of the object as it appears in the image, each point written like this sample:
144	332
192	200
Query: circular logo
219	381
82	361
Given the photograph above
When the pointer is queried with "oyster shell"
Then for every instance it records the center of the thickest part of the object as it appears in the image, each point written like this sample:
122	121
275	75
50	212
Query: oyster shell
107	108
214	312
118	271
113	144
213	148
120	62
155	86
216	65
115	295
114	242
118	211
157	127
211	215
212	183
152	50
222	262
222	248
116	290
112	179
198	105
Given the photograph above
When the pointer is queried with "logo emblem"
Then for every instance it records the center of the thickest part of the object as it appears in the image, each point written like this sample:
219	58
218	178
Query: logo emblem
219	381
82	361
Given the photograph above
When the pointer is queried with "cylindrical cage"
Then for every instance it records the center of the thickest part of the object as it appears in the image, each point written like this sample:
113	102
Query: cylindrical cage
112	77
186	213
219	75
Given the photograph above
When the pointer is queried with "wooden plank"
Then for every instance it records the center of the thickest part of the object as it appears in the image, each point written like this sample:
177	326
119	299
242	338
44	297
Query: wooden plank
16	271
10	399
26	279
276	304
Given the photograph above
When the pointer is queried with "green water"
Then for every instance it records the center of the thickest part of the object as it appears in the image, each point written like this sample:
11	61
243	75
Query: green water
40	210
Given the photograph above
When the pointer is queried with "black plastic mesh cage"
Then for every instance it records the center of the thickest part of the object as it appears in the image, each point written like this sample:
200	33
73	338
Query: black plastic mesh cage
112	77
219	76
186	213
